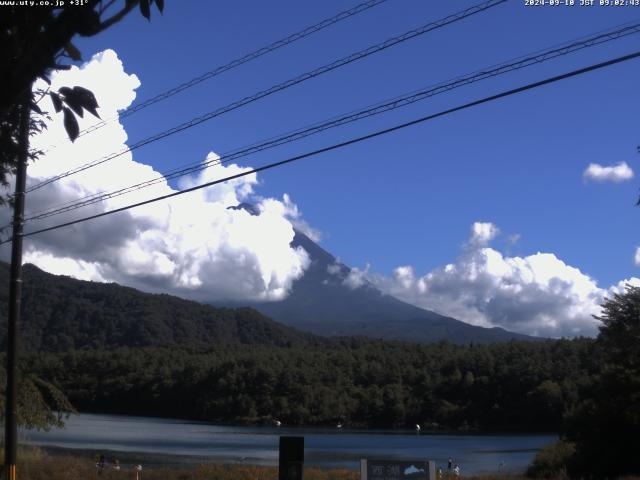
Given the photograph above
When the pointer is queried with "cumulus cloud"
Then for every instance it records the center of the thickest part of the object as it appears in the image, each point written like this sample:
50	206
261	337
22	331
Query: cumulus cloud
357	278
617	173
295	216
334	269
191	245
637	257
482	233
538	294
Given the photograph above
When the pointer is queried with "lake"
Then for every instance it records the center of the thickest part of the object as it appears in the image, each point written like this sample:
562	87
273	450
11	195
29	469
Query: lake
201	442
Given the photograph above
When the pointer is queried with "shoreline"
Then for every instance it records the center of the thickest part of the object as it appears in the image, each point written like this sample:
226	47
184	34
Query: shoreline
191	463
58	463
175	443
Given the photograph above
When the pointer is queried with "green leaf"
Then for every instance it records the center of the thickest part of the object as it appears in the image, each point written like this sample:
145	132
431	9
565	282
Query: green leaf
71	98
144	9
71	124
57	103
66	91
86	99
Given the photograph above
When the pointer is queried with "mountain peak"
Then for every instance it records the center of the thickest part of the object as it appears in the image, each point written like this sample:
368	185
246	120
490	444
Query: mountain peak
248	207
322	301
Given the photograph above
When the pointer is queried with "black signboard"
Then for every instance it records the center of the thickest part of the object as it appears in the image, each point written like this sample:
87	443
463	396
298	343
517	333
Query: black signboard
291	458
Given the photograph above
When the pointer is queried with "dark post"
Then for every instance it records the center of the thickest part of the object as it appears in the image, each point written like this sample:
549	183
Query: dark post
291	458
15	293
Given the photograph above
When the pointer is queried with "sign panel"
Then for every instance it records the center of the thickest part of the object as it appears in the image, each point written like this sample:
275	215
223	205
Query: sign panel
397	469
291	461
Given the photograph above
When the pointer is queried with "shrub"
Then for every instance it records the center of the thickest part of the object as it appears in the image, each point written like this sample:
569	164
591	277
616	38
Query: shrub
552	461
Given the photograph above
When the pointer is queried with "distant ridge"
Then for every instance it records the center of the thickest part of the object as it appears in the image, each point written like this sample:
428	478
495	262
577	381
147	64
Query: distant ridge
61	313
321	303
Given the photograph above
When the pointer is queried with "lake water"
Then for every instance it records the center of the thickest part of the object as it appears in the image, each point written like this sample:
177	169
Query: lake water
325	447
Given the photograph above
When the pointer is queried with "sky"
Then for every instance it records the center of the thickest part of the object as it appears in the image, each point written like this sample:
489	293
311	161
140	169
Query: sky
518	213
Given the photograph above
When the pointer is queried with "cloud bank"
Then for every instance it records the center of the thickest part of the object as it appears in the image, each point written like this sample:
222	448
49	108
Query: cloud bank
191	245
196	247
538	294
617	173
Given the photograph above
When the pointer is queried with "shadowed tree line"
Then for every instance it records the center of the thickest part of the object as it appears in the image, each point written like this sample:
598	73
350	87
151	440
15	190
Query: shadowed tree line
516	386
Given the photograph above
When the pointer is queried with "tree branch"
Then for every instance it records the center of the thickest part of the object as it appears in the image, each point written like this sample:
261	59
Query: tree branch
130	5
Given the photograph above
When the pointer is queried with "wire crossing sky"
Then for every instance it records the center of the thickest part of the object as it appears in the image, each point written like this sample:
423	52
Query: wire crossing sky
486	73
411	34
361	7
353	141
519	214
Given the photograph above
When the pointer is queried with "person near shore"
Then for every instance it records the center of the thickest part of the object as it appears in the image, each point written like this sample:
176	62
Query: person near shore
450	464
115	464
100	463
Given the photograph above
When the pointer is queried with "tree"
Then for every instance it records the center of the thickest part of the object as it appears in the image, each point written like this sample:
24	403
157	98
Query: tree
36	40
41	405
606	427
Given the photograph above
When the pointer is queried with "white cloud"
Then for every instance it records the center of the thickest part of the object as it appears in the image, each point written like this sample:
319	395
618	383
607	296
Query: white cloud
637	257
620	287
482	233
617	173
191	245
357	278
295	216
334	269
538	294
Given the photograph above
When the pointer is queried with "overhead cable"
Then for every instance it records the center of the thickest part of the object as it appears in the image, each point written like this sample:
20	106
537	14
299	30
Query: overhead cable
239	61
352	141
489	72
281	86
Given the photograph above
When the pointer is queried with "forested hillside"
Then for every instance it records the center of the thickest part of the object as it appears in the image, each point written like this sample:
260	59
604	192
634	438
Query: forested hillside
113	349
61	313
514	386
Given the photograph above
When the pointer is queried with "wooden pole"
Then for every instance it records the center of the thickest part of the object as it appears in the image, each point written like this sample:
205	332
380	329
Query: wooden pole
15	293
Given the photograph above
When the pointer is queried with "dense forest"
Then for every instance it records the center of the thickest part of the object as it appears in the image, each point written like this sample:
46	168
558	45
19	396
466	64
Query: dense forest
514	386
61	313
112	349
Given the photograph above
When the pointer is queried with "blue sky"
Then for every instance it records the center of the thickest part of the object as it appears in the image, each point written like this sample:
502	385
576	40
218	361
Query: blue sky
411	197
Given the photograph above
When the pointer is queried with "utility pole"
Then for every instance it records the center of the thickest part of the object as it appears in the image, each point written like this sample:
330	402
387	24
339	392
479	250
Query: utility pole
15	293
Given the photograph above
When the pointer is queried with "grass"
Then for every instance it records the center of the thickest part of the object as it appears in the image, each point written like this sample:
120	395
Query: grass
36	464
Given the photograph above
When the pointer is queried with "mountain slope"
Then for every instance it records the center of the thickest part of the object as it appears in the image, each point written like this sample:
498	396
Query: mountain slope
321	302
59	313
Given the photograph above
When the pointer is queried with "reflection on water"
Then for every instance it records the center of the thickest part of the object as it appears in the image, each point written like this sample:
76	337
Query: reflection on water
325	447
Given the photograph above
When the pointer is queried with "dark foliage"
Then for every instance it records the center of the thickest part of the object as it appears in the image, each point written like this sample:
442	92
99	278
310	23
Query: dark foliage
606	424
115	349
61	313
41	405
520	386
36	40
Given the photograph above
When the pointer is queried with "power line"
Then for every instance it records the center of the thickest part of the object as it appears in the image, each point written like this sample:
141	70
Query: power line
282	86
336	146
239	61
489	72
